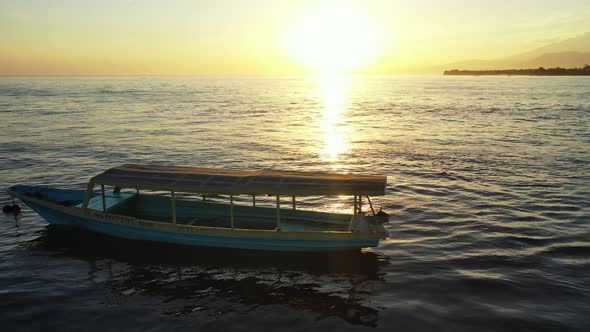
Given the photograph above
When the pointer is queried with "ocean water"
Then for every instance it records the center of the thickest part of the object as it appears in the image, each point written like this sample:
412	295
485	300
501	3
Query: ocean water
488	188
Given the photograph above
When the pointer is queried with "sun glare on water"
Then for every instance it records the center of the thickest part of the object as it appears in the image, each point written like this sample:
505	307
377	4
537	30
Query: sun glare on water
333	38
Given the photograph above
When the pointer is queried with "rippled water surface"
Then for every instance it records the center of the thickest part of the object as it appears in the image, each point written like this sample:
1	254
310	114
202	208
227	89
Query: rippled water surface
489	191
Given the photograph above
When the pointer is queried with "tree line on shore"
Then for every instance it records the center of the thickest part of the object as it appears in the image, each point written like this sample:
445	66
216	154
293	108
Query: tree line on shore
558	71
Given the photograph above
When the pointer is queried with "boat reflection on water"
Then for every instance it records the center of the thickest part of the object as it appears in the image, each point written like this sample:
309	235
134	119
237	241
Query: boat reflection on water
208	281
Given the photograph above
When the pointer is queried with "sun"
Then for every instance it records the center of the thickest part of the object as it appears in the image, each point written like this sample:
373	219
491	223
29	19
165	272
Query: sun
333	38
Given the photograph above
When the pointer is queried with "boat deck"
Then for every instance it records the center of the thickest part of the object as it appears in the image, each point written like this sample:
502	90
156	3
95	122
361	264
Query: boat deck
210	214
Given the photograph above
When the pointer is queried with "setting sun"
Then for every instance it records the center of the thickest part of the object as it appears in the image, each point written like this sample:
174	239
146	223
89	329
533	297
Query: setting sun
333	38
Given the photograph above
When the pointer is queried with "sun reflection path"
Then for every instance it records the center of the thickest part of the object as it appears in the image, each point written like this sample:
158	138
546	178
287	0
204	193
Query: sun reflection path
332	122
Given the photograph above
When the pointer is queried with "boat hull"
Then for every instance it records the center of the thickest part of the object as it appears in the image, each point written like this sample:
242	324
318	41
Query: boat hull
145	230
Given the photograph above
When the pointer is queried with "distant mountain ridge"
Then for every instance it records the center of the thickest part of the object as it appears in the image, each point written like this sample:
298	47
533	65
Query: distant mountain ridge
569	53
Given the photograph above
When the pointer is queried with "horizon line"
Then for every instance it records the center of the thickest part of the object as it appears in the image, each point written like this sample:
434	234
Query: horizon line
218	75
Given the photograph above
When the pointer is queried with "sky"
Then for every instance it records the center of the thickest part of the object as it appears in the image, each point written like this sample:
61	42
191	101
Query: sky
276	37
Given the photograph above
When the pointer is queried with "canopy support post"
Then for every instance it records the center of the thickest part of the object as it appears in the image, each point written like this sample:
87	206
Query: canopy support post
173	202
231	210
104	204
253	200
354	206
137	191
203	197
371	205
293	202
88	195
278	213
360	204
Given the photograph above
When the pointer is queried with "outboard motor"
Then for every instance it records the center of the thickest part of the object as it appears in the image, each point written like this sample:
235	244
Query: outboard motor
360	224
382	217
369	224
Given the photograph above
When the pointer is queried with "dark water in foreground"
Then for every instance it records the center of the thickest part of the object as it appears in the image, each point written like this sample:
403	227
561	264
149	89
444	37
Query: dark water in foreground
489	187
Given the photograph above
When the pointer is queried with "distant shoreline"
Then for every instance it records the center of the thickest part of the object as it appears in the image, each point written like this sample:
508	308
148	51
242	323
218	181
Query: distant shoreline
583	71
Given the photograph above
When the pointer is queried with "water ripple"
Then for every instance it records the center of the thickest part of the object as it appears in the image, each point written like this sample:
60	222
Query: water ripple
488	191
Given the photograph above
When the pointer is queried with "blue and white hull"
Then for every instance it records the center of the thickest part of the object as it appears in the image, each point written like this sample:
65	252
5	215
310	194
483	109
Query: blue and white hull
48	206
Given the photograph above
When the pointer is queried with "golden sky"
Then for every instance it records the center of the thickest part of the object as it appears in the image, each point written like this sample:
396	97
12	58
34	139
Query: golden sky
257	37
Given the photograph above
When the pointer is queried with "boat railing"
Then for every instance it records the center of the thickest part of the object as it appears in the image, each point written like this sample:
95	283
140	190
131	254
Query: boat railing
358	203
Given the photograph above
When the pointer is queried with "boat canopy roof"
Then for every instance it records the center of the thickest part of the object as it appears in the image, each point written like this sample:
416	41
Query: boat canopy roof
253	182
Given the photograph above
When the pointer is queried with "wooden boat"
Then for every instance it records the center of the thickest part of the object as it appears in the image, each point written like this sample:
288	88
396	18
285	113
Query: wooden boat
132	213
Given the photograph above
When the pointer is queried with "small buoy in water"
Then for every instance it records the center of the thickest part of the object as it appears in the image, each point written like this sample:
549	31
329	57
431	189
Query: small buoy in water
7	208
15	208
